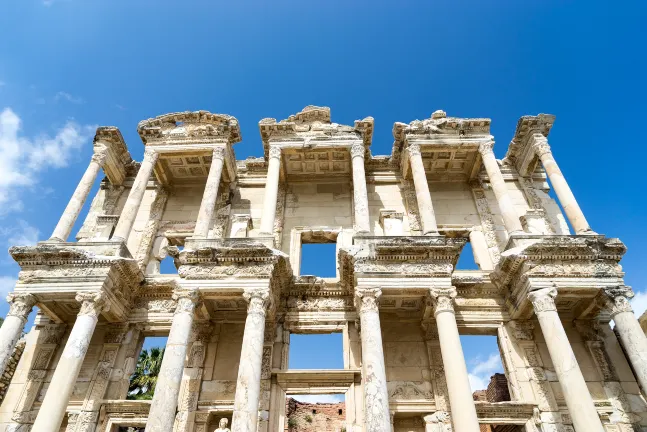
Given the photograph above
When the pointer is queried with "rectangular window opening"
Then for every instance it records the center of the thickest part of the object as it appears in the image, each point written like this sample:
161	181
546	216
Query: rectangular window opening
485	368
316	351
315	412
319	259
149	362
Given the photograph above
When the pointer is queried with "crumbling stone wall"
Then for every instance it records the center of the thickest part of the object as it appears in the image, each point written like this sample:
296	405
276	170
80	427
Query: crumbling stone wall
317	417
5	379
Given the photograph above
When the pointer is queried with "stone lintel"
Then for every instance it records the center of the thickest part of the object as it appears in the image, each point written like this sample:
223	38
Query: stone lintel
118	157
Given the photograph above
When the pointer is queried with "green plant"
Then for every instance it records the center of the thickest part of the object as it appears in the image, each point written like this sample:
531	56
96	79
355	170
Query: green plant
309	419
343	429
292	423
143	380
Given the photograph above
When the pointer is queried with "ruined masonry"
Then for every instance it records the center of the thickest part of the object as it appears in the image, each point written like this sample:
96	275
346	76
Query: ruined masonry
235	230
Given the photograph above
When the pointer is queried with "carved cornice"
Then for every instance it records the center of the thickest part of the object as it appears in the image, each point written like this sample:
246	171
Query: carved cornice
190	126
521	152
109	142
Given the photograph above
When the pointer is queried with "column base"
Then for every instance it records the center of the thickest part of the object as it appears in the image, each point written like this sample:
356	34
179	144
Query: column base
54	240
587	231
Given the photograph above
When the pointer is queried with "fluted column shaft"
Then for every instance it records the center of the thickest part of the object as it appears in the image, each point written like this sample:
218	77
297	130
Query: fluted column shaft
208	204
425	206
52	411
376	395
362	223
508	212
75	205
628	328
13	325
458	384
134	201
271	191
562	190
248	385
576	393
164	405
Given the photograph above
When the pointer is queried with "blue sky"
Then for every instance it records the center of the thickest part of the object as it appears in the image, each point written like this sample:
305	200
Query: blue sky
69	65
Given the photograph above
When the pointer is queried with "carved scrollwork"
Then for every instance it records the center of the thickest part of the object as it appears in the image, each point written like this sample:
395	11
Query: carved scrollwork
275	152
540	145
486	147
92	303
443	299
357	150
186	300
20	305
367	299
414	150
543	300
522	330
257	301
617	299
218	153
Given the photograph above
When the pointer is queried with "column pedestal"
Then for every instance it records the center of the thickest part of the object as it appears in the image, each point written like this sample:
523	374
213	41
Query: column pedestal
271	191
53	408
510	218
248	385
376	395
128	214
208	204
163	407
425	207
576	393
458	385
75	205
13	325
362	224
628	328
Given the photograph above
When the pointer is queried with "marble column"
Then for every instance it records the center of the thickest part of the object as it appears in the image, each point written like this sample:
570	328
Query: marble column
75	205
576	393
508	212
271	191
628	328
458	385
52	410
566	198
248	385
425	207
480	249
129	213
20	306
208	204
376	395
164	405
362	223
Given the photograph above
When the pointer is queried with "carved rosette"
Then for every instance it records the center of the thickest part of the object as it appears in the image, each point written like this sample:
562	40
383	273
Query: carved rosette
617	300
543	300
275	152
257	300
443	299
20	305
414	150
367	299
186	299
357	150
92	303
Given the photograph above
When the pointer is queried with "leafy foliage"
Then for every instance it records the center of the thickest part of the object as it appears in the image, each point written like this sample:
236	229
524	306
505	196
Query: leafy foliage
143	380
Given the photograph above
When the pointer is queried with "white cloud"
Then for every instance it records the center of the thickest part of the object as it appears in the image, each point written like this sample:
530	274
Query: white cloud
480	371
323	398
22	234
22	159
639	303
7	284
68	97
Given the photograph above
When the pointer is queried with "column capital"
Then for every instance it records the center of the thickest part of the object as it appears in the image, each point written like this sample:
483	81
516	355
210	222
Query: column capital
258	300
20	305
617	299
92	303
414	149
100	154
539	144
186	300
218	153
275	152
486	147
543	300
367	299
357	150
151	154
436	418
443	299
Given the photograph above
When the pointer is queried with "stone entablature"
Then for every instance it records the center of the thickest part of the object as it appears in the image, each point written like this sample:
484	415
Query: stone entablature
235	231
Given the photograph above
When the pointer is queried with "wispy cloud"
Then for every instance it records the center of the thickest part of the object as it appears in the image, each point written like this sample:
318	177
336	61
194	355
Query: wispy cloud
21	234
22	159
68	97
481	370
323	398
121	107
639	303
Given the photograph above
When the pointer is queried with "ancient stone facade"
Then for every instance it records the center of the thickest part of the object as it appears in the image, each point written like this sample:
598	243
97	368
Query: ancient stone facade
235	230
314	417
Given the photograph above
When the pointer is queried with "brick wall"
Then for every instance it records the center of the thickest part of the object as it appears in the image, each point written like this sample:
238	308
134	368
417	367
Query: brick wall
317	417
